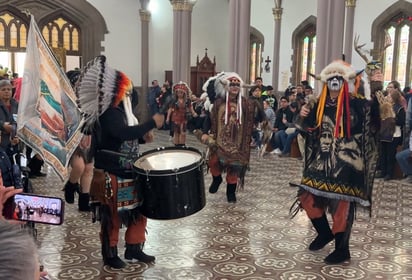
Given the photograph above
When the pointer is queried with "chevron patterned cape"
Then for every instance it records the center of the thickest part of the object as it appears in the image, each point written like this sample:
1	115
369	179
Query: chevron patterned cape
341	167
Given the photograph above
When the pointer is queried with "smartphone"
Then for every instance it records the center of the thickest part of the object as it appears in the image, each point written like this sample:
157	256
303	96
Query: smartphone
35	208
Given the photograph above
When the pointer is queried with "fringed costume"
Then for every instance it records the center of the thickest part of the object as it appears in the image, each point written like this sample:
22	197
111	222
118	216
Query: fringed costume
230	130
180	111
106	98
340	159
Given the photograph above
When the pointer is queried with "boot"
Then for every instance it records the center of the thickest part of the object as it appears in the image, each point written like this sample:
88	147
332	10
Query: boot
217	180
35	166
325	235
231	193
135	251
341	252
84	199
69	190
112	259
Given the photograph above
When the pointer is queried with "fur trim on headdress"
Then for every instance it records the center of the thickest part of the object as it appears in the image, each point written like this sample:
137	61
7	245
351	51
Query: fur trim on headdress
342	69
337	68
98	87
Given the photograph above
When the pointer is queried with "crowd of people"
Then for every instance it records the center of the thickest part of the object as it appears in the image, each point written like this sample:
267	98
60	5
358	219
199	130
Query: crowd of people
338	132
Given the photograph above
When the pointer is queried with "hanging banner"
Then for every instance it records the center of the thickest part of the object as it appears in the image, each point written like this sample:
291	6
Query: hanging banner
48	118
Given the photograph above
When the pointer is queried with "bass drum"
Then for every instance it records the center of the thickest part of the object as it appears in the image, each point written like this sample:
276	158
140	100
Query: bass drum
172	182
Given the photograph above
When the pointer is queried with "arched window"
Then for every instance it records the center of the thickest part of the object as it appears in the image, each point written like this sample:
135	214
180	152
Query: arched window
13	37
304	52
256	49
76	31
64	38
396	21
397	64
61	35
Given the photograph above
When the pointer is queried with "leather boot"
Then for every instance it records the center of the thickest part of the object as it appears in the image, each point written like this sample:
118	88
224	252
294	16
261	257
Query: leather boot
341	252
35	166
325	235
217	180
231	193
69	190
111	258
84	199
135	252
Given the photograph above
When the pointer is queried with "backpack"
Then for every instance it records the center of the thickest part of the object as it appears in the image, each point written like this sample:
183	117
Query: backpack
10	172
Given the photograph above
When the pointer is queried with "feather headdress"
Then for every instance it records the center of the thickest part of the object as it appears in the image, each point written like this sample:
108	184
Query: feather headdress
218	87
100	86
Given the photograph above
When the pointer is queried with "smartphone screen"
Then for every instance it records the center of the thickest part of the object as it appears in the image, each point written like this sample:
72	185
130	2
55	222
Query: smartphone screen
37	209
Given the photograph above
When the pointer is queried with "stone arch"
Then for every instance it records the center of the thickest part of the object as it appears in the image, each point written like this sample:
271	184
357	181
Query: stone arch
91	23
256	37
378	37
308	25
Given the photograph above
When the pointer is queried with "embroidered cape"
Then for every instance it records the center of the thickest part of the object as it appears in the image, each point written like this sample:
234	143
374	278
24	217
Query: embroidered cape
233	139
341	167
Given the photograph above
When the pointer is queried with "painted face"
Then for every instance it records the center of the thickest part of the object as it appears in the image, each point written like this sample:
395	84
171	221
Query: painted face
234	86
335	83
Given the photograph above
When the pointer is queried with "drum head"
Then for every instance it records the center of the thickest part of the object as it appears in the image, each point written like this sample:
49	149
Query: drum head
167	159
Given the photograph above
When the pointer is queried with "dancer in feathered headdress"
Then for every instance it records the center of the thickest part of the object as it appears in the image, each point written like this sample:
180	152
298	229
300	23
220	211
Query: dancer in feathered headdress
229	129
340	158
180	111
106	98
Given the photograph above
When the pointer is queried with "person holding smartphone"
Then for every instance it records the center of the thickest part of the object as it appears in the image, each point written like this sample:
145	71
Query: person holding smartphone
16	242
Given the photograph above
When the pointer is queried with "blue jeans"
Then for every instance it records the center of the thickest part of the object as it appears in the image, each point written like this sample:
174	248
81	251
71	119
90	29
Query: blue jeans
404	160
276	140
287	140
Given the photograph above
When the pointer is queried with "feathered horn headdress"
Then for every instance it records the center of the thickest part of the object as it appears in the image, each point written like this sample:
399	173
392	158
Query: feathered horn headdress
342	69
218	87
372	65
99	87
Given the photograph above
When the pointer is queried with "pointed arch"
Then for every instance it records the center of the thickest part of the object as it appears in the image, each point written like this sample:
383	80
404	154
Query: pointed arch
257	44
304	51
88	22
396	21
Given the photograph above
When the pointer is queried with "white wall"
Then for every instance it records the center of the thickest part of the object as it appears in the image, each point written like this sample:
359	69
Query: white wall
122	43
210	30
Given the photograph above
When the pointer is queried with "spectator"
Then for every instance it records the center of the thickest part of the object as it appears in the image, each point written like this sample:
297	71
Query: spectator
153	94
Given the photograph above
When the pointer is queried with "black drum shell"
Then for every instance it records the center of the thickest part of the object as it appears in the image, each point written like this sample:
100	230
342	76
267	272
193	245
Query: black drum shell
172	194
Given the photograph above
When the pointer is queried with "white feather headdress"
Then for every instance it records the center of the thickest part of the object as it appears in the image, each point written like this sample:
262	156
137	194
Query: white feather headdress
100	86
218	87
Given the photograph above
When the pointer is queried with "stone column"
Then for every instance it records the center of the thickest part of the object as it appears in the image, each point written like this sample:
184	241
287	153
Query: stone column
239	38
277	13
350	17
182	28
329	32
337	32
145	17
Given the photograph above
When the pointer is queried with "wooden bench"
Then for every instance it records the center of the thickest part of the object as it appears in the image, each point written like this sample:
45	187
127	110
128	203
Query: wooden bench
294	149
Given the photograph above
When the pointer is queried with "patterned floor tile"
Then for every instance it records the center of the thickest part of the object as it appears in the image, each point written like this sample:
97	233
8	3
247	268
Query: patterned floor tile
254	239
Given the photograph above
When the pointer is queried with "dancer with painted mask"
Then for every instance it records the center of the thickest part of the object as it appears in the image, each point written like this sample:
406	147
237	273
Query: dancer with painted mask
340	159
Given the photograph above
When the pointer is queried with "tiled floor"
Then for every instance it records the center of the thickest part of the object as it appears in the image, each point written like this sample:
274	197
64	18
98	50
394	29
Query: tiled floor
252	239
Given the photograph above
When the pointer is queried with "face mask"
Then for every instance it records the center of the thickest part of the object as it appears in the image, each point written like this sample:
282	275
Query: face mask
335	83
